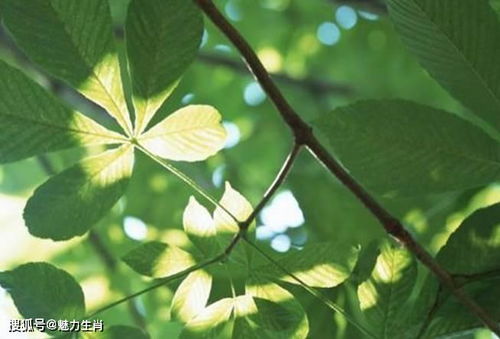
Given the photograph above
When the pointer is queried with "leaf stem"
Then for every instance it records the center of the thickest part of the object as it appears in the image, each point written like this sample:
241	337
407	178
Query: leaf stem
178	173
303	134
318	295
275	185
160	283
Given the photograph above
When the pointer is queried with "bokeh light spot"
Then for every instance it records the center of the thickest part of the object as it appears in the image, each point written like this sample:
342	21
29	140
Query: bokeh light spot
253	94
346	17
281	243
135	228
328	33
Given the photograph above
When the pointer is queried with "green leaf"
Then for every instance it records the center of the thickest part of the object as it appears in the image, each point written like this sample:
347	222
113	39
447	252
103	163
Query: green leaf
163	37
191	296
117	332
384	294
32	121
280	313
474	248
452	318
70	203
158	260
192	133
200	228
457	42
212	322
72	40
318	265
399	147
40	290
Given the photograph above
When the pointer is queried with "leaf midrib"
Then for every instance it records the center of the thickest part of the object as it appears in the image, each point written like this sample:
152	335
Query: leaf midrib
76	131
147	135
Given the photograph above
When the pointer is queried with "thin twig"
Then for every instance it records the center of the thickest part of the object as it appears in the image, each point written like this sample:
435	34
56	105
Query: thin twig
278	181
161	282
304	135
318	295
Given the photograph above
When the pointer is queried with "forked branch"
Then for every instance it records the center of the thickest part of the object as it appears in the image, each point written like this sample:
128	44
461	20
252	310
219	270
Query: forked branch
304	135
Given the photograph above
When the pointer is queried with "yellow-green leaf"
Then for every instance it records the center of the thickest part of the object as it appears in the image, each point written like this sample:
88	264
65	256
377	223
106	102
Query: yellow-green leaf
71	202
200	228
192	133
191	296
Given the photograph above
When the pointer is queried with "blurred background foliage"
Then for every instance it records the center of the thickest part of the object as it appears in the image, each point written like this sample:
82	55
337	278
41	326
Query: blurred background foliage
323	54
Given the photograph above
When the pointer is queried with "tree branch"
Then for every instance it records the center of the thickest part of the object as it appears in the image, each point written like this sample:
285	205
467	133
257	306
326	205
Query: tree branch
303	134
313	85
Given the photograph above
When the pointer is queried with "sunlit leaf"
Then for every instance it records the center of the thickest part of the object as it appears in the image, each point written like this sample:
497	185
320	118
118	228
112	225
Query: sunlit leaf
158	260
163	37
474	248
117	332
191	296
383	296
40	290
457	42
70	203
192	133
227	227
199	226
32	121
234	203
318	265
397	147
212	322
280	312
72	40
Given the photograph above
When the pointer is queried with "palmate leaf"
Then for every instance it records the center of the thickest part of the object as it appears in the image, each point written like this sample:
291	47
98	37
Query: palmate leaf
192	133
72	40
457	42
68	204
40	290
397	147
163	37
32	121
317	265
384	294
